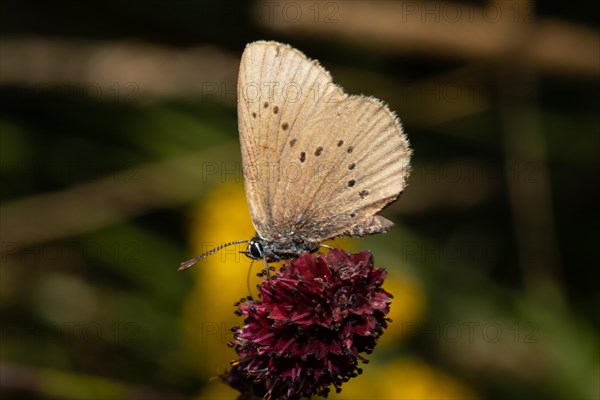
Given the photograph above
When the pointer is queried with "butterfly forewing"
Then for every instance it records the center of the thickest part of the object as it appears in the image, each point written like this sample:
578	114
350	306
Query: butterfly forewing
317	162
278	91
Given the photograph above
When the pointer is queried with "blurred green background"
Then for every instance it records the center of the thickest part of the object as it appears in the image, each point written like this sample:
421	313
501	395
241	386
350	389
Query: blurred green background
120	159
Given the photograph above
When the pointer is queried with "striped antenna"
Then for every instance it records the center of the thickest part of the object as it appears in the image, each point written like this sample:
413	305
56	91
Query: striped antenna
189	263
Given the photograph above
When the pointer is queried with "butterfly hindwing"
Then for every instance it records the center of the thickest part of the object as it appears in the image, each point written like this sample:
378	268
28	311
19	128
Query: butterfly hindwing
356	162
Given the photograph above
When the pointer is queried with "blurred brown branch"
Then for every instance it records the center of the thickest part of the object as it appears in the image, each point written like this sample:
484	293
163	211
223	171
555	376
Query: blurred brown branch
157	71
108	200
534	216
447	29
494	33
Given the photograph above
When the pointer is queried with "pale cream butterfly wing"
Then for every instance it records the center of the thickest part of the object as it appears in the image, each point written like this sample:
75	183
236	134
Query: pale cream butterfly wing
276	91
317	162
362	159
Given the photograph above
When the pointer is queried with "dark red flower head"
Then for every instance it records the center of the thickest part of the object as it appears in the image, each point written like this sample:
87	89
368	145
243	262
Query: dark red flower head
312	322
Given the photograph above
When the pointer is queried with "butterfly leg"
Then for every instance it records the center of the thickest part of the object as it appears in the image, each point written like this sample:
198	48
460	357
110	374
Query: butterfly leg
267	269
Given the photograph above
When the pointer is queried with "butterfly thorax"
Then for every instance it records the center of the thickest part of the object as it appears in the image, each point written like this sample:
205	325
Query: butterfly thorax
279	249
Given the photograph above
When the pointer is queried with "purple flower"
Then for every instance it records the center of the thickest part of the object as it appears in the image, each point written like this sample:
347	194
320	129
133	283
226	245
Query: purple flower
312	322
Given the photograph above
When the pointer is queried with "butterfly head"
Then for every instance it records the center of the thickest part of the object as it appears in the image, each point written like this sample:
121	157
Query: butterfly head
284	248
255	249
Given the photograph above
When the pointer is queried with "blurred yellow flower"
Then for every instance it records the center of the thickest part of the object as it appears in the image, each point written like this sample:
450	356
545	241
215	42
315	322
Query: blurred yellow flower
407	309
217	390
208	312
407	378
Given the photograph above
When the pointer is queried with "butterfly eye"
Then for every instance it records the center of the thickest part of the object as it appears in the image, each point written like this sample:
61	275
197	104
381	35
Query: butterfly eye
255	250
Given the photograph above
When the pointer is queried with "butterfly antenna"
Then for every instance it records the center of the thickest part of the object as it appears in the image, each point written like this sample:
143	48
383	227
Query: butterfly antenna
189	263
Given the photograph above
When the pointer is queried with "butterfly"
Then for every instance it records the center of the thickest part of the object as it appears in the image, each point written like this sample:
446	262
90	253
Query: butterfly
318	163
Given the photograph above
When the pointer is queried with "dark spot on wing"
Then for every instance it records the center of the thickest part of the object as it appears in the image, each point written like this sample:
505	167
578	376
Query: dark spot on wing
292	142
340	143
363	193
350	149
266	104
351	182
352	215
253	115
275	110
284	126
351	166
319	151
302	157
